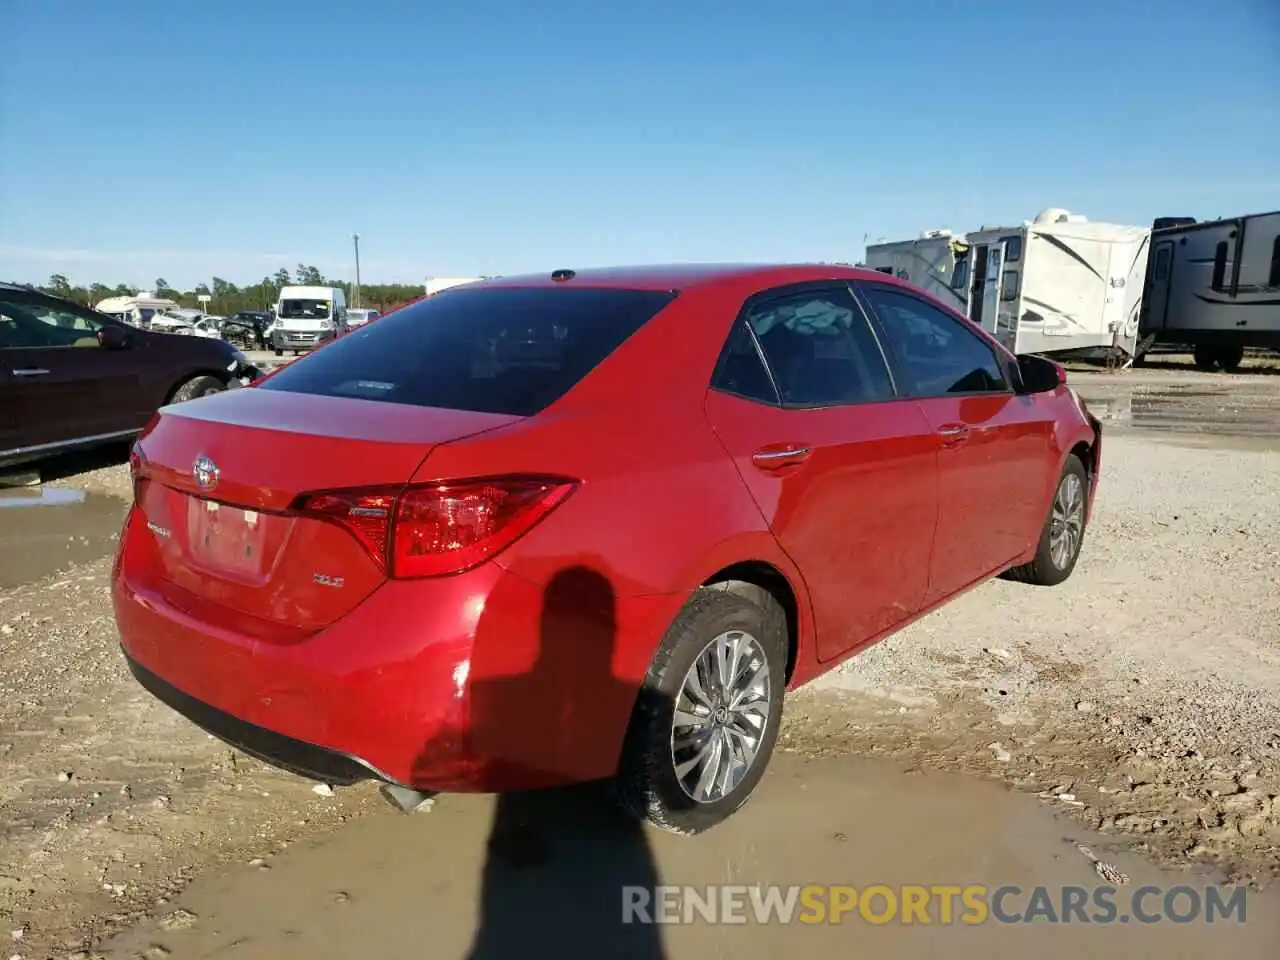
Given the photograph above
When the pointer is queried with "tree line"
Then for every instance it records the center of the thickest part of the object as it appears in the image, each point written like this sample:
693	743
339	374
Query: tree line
227	298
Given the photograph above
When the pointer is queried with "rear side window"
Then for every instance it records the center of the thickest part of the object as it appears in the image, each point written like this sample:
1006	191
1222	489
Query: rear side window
820	349
741	370
507	350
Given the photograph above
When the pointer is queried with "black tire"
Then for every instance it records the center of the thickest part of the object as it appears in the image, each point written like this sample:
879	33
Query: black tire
1230	358
197	387
647	782
1206	358
1043	570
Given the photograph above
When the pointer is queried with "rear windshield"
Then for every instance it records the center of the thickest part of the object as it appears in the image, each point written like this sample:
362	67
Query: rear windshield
505	350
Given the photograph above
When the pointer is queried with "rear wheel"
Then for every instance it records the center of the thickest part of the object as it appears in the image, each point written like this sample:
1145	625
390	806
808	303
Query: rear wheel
1063	533
197	387
706	721
1206	358
1230	358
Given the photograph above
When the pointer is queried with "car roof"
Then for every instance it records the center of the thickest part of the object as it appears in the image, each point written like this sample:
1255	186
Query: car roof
687	276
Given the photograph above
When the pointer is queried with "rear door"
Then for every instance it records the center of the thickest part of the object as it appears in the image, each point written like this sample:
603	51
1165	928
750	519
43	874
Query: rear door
842	468
993	445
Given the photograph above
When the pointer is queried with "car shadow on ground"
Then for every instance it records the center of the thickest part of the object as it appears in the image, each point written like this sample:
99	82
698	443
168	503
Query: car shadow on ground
67	465
558	860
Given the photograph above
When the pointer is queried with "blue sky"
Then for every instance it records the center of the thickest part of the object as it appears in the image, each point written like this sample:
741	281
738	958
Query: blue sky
147	139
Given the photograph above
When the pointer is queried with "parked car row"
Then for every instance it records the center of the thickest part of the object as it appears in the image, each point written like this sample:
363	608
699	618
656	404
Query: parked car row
71	377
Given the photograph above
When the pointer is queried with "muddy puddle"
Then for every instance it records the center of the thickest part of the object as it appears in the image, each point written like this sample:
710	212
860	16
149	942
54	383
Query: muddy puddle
45	529
1239	409
480	878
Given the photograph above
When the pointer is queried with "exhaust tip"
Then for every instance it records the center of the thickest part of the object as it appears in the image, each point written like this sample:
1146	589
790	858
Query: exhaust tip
405	799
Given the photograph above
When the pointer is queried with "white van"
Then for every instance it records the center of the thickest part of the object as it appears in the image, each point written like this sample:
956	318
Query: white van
359	316
307	317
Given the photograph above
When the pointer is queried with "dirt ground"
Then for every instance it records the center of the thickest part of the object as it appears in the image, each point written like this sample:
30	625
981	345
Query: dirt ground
1140	701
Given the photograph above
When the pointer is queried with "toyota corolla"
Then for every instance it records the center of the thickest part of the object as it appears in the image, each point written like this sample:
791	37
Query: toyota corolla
549	529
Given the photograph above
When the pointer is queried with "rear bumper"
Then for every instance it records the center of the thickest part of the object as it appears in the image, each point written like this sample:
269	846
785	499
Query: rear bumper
483	681
295	756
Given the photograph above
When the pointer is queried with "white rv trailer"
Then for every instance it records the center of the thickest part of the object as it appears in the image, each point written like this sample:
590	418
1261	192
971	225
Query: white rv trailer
1214	286
136	310
1058	284
928	261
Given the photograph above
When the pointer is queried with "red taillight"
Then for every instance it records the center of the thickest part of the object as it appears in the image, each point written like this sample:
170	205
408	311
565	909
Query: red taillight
365	514
444	528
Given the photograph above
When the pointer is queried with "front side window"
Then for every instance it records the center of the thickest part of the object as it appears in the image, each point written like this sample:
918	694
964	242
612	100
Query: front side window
938	354
34	324
820	349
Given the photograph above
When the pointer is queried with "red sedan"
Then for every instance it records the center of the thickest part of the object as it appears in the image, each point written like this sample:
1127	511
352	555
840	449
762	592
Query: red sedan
558	528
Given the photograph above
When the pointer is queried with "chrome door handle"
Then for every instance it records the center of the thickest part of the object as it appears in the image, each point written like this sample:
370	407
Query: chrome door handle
797	454
953	433
30	372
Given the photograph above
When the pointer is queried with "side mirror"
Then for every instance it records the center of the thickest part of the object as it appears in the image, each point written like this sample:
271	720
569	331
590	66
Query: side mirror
1040	374
113	338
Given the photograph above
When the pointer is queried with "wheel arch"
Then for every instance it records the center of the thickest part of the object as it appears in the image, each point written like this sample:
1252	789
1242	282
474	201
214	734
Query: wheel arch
188	376
752	565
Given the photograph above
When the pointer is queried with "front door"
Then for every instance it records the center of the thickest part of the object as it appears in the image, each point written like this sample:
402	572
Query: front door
1156	307
65	385
843	470
991	289
992	444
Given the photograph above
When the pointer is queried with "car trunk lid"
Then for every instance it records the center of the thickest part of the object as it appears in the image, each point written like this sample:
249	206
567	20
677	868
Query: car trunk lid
218	481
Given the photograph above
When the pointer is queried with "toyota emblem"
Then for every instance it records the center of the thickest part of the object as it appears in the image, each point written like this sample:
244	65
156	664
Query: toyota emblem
205	472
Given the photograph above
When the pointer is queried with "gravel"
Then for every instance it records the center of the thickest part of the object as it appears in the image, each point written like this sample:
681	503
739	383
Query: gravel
1142	696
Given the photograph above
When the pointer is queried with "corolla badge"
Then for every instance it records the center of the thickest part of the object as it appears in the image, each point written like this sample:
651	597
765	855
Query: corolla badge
205	472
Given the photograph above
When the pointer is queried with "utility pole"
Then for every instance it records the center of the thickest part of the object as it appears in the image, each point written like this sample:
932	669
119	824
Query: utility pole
355	238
